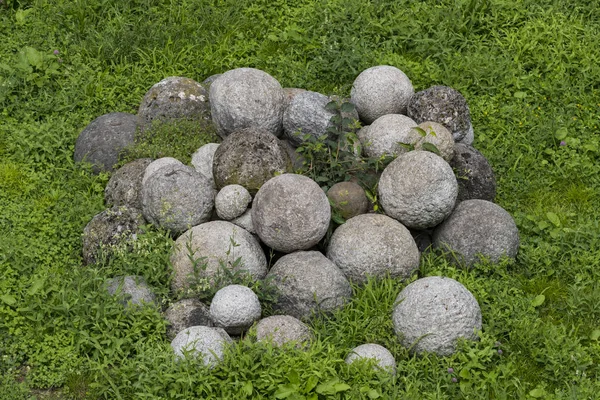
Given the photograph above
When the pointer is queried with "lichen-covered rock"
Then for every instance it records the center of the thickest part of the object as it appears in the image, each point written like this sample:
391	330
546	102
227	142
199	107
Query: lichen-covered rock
373	245
381	90
235	308
133	290
158	164
232	201
104	138
477	228
349	199
382	356
306	114
291	212
444	105
418	189
280	330
437	135
202	161
386	134
185	314
201	341
476	179
249	158
247	98
308	282
125	186
433	312
296	158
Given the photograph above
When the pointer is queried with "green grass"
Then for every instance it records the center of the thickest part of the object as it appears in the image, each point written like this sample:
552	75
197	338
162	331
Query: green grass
530	71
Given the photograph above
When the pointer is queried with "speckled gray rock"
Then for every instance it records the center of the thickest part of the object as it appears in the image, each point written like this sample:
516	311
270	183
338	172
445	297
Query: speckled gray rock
349	199
308	282
104	138
280	330
208	81
384	135
176	198
133	290
201	341
306	114
437	135
469	137
433	312
444	105
382	356
418	189
186	313
290	93
245	221
158	164
478	227
125	186
290	212
373	245
232	201
211	242
202	161
247	98
112	230
235	308
296	158
476	179
249	157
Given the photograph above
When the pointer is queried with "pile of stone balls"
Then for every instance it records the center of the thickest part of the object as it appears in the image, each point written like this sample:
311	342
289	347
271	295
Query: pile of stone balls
240	198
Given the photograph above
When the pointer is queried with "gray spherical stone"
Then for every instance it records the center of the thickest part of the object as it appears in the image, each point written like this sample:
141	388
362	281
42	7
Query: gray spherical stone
232	201
291	212
158	164
247	98
104	138
384	135
478	227
134	290
444	105
306	114
290	93
245	221
235	308
437	135
384	359
202	161
349	199
476	178
418	189
186	313
433	312
296	158
381	90
176	198
208	81
174	98
125	186
280	330
201	341
308	282
211	242
249	157
373	245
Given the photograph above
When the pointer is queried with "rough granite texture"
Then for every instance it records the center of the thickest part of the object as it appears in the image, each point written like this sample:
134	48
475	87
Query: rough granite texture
201	341
280	330
247	98
245	221
202	161
418	189
186	313
103	139
290	93
290	212
433	312
373	245
384	359
349	199
133	290
439	136
125	186
381	90
306	114
385	135
477	227
158	164
232	201
476	179
308	282
235	308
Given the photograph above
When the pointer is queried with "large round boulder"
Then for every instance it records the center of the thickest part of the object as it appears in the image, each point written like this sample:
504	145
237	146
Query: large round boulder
373	245
125	186
387	135
186	313
476	178
437	135
432	313
132	290
247	98
349	199
202	161
280	330
235	308
306	115
383	357
418	189
477	228
232	201
201	341
290	212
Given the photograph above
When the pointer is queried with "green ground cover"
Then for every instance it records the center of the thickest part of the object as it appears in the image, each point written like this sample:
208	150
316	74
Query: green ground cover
530	71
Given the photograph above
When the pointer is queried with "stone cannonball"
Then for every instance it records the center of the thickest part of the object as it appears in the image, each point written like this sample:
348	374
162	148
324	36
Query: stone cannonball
476	178
186	313
433	312
418	189
235	308
349	199
386	134
232	201
290	212
158	164
125	186
373	245
133	290
201	341
202	161
247	98
382	356
478	227
282	329
306	114
380	90
245	221
437	135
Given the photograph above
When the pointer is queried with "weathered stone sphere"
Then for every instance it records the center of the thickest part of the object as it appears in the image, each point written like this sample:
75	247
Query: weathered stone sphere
306	114
478	227
444	105
290	93
235	308
245	221
308	282
384	359
104	138
381	90
384	135
373	245
476	178
290	212
433	312
185	314
249	158
211	246
349	199
201	341
232	201
202	161
134	290
439	136
247	98
158	164
176	198
125	186
280	330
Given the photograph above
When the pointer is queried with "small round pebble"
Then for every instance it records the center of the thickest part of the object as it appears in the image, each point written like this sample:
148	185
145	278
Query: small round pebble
235	308
283	329
232	201
349	199
133	290
201	341
387	134
384	359
186	313
437	135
